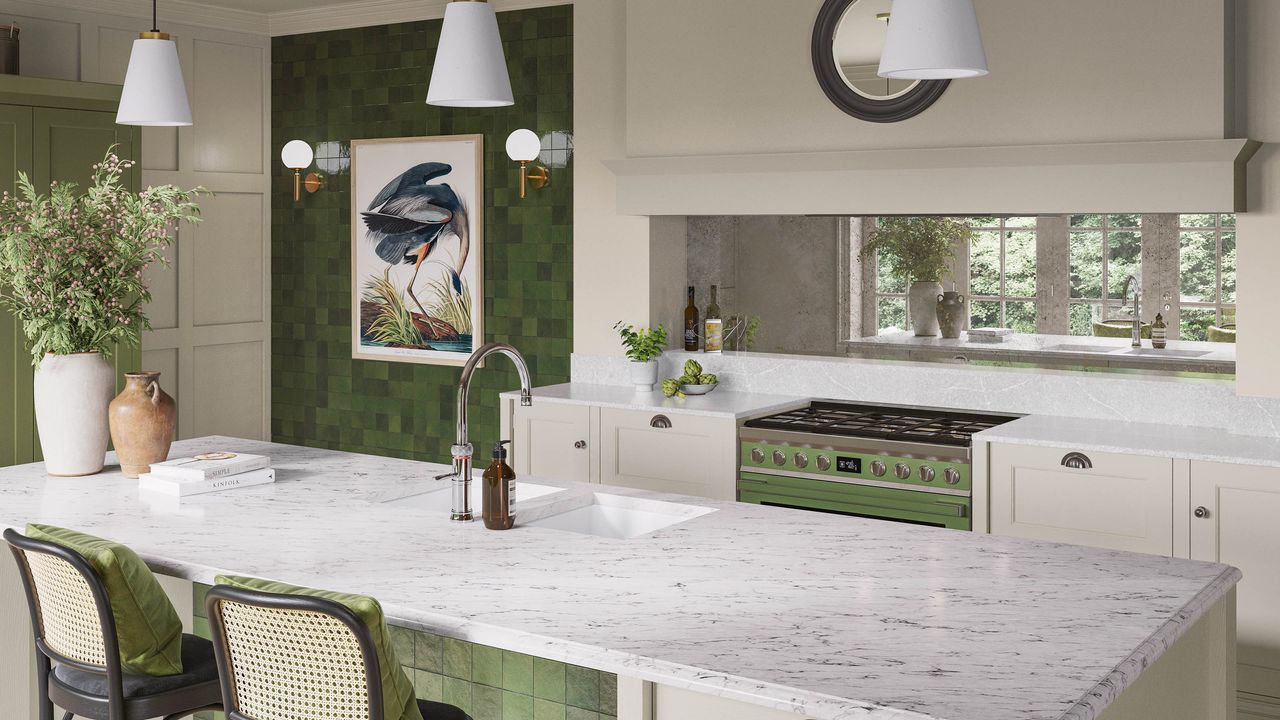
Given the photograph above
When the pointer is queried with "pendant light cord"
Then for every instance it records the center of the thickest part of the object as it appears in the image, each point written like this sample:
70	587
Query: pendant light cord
155	19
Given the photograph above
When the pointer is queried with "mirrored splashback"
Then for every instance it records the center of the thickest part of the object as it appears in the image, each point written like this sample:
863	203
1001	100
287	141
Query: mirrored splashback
1046	291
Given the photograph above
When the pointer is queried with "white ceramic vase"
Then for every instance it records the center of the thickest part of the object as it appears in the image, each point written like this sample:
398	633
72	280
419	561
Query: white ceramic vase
644	375
923	299
72	394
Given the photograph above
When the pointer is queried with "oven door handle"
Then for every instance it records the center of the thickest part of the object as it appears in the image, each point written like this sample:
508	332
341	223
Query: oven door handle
955	509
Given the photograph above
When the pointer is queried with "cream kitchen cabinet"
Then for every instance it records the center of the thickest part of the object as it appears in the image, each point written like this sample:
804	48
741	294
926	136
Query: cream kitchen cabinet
1122	502
1235	519
662	451
553	440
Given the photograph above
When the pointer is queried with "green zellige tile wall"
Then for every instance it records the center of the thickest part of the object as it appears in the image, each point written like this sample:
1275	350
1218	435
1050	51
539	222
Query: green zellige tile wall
372	83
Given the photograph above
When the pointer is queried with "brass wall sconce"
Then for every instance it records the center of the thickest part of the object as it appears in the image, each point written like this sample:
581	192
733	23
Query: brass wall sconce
297	156
524	147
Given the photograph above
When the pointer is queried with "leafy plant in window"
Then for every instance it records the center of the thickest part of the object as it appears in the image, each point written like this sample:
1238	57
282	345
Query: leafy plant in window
918	250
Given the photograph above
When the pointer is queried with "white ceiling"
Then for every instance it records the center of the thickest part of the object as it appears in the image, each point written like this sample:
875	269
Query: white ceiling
273	6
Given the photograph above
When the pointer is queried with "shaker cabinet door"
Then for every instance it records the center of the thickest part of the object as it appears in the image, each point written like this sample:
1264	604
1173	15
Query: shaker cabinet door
1235	519
552	441
17	413
1122	502
673	453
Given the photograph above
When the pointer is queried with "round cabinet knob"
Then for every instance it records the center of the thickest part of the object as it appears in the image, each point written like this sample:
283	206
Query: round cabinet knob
951	476
801	460
1202	512
757	455
824	462
877	468
779	458
581	445
902	470
926	473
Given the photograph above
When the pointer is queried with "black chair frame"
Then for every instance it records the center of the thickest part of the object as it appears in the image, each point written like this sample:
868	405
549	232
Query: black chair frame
115	706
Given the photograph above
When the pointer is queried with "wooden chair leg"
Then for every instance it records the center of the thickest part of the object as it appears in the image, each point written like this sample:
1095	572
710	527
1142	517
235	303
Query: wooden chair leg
42	686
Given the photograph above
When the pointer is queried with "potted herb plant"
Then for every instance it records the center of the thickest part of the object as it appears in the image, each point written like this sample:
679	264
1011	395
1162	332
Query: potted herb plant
644	347
917	250
71	270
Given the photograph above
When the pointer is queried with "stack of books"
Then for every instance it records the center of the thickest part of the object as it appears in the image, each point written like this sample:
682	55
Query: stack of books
205	473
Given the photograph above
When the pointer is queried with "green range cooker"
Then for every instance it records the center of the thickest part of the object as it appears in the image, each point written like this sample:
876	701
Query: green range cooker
886	462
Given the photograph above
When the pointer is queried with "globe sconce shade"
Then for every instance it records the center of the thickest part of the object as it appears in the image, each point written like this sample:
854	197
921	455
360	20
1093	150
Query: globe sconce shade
470	69
524	146
154	93
933	40
297	155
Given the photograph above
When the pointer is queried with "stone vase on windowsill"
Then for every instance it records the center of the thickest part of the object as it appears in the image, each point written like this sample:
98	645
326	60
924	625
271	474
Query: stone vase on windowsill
922	298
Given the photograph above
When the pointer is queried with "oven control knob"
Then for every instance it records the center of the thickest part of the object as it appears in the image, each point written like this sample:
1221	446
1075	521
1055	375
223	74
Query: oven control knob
952	476
779	458
877	468
801	460
926	473
902	470
824	462
757	455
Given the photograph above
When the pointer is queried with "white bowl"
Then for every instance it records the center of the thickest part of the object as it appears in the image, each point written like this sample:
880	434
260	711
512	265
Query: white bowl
697	389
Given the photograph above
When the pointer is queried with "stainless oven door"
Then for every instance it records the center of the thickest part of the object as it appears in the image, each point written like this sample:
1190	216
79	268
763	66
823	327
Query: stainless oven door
906	506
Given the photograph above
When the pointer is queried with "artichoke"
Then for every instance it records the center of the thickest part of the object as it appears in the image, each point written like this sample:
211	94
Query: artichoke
708	379
692	369
671	388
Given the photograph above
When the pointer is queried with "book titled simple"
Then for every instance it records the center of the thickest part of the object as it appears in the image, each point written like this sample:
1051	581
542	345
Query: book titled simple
210	466
182	487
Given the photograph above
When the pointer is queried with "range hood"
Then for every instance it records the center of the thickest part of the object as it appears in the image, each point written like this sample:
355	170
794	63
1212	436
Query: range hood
1152	177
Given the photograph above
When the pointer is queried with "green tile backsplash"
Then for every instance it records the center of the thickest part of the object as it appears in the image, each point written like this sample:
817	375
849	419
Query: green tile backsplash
370	83
486	682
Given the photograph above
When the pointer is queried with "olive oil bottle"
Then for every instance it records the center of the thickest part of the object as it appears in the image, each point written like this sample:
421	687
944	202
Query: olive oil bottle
691	324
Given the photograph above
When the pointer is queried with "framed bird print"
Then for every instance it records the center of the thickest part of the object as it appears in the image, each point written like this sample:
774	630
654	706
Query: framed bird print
417	249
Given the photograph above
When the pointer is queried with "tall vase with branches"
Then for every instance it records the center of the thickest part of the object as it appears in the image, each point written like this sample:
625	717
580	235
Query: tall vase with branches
918	251
71	272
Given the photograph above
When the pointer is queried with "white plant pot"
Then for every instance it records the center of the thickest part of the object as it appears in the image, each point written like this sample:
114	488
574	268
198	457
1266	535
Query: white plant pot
923	300
644	375
72	393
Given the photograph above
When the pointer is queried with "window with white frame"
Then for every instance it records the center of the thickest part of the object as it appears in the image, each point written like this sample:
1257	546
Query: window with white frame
1105	251
1002	273
1207	274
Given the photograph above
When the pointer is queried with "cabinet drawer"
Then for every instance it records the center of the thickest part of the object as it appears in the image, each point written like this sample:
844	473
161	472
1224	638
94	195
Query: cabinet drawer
552	441
1122	502
689	455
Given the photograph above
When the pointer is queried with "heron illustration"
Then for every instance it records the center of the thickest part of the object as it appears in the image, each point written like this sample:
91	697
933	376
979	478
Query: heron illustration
408	218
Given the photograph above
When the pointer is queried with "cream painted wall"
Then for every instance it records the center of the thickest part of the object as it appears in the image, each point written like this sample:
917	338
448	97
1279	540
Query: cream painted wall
734	76
211	309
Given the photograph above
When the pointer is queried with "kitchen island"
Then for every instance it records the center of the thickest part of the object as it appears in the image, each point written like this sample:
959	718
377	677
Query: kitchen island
734	610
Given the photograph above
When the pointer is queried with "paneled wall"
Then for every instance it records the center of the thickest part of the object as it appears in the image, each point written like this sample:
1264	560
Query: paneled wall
211	319
372	83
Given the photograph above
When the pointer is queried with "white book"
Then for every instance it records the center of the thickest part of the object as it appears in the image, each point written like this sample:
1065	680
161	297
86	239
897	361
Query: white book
182	487
210	465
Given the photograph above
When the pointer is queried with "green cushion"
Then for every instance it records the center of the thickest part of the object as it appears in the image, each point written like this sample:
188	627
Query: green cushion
148	631
398	699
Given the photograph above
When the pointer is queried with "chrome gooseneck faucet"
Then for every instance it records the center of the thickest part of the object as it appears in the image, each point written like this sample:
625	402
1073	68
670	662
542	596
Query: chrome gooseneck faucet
462	449
1137	303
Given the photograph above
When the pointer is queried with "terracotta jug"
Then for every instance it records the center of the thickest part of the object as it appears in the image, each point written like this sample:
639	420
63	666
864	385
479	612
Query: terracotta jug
142	421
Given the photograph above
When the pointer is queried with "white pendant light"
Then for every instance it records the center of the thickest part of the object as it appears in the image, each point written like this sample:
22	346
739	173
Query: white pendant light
470	68
933	40
154	93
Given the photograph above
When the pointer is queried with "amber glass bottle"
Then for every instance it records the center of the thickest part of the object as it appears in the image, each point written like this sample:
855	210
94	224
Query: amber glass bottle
499	482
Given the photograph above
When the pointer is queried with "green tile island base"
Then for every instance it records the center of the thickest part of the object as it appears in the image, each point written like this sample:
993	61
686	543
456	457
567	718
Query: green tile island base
1192	680
486	682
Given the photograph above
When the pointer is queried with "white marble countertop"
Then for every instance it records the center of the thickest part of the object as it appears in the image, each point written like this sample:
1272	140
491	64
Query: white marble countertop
717	403
1114	351
828	617
1173	441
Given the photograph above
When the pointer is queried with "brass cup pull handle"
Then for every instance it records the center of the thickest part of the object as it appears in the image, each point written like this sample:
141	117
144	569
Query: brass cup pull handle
1078	461
1202	512
661	422
581	445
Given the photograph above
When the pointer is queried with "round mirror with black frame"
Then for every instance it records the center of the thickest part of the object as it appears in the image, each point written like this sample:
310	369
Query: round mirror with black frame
848	39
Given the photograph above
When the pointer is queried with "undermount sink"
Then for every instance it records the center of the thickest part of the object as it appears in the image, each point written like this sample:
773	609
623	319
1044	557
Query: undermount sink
1167	353
1102	350
440	500
620	517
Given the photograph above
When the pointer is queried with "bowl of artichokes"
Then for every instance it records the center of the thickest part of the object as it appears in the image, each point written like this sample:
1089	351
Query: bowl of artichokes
693	382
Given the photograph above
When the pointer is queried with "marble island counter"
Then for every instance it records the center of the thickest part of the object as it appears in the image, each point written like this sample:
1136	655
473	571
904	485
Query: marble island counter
789	612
